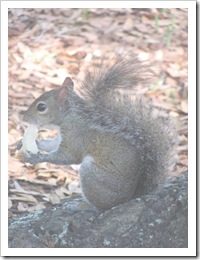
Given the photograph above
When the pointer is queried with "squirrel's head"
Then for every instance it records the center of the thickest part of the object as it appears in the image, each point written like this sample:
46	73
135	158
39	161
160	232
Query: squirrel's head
51	106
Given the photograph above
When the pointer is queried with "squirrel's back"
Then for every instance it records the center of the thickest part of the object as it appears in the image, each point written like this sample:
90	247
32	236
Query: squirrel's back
107	106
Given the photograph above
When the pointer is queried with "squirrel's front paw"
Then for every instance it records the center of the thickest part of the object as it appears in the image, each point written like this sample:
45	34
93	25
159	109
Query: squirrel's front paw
32	158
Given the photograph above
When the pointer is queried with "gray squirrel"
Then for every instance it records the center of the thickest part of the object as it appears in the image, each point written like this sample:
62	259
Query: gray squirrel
124	144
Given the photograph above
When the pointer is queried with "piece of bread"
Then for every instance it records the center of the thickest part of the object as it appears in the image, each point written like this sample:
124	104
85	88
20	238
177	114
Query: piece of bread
28	141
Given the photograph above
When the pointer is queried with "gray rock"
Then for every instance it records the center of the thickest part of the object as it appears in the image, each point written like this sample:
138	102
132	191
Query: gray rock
157	220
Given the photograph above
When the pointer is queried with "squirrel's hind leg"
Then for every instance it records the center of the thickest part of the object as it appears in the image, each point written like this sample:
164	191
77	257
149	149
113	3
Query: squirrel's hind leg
97	188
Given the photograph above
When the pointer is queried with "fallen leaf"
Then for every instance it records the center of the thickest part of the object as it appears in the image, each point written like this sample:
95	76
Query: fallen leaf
184	106
73	187
29	199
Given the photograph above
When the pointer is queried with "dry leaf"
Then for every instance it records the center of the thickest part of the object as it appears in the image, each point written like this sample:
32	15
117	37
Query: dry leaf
9	203
29	199
184	106
54	198
65	191
39	206
22	206
73	187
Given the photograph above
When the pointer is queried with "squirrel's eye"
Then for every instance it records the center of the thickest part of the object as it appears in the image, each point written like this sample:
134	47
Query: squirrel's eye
41	107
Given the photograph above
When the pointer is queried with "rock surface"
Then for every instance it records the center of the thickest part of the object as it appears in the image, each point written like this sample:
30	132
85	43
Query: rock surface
157	220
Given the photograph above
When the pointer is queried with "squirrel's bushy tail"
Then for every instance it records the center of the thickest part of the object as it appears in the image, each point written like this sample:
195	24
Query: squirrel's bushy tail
120	71
106	106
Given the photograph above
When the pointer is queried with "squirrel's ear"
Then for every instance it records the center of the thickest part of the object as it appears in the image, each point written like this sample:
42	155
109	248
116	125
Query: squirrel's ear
63	91
68	83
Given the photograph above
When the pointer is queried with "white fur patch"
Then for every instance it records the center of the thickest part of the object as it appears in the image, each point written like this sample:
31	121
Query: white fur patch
88	159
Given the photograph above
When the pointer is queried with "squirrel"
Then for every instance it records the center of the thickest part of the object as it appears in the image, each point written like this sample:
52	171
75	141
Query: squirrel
124	144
